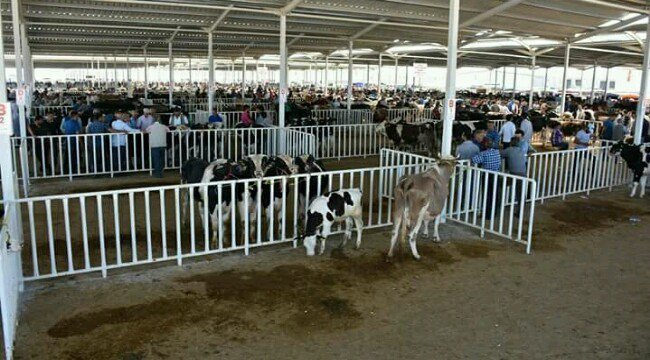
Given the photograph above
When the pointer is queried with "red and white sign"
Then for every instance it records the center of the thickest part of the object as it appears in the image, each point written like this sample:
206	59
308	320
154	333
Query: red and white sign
6	127
20	96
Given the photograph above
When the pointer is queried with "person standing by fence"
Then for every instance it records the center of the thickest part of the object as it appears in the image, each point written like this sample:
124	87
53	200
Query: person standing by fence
71	126
118	140
490	159
158	142
97	144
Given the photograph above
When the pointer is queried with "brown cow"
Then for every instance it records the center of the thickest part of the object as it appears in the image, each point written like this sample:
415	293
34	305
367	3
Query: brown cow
421	197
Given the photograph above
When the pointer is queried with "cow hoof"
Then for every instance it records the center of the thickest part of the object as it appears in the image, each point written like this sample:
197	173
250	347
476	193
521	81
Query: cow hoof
416	257
436	239
424	236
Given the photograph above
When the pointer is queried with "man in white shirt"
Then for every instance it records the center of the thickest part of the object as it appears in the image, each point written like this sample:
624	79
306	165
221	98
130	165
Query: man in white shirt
177	119
118	142
527	127
508	132
158	144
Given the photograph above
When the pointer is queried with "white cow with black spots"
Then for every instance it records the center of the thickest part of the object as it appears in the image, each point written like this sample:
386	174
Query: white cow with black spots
328	209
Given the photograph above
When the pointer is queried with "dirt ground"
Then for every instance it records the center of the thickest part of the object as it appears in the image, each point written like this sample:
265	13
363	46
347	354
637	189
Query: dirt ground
584	293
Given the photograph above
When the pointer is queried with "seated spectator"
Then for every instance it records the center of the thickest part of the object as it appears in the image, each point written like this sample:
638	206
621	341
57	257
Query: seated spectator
557	139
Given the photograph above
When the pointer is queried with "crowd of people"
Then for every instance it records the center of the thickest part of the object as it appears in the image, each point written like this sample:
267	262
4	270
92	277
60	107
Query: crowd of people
485	148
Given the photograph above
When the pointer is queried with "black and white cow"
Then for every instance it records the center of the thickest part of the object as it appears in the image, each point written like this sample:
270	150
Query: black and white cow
408	135
328	209
221	170
637	161
308	187
272	190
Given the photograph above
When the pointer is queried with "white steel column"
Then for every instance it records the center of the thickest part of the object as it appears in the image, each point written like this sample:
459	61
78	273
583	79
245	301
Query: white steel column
128	71
582	80
367	74
283	69
514	81
210	74
545	81
115	72
27	63
189	65
532	82
15	17
171	73
606	84
503	80
406	82
146	74
327	69
593	84
350	76
643	92
567	54
450	87
396	65
379	77
243	75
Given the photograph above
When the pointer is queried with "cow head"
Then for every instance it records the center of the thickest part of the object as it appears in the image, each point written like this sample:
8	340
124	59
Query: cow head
312	231
381	128
307	164
283	163
257	163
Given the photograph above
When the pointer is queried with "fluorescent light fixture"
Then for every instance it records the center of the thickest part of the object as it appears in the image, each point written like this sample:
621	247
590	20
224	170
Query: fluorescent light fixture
344	52
416	48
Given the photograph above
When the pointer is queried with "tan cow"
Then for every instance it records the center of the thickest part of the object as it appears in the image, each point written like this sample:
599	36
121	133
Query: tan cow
420	197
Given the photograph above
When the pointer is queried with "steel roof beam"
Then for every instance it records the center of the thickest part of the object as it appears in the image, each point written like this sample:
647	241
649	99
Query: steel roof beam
220	18
493	11
607	28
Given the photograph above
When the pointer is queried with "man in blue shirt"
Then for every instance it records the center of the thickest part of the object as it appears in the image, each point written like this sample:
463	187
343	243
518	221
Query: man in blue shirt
607	130
582	138
71	125
490	159
493	135
215	119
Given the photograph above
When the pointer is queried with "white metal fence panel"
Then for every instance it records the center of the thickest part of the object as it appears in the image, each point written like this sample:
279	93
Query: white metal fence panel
101	154
343	116
98	232
562	173
492	202
42	110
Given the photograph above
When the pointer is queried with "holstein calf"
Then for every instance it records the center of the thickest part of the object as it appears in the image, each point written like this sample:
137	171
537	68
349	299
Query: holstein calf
634	157
409	135
420	197
327	209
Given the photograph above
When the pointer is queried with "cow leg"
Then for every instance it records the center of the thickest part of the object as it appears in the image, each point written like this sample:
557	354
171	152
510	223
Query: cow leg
348	231
184	206
634	186
324	234
414	231
436	223
358	223
425	232
214	217
225	214
642	184
397	223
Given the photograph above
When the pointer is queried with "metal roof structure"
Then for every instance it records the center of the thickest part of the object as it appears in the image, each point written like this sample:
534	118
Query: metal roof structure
493	33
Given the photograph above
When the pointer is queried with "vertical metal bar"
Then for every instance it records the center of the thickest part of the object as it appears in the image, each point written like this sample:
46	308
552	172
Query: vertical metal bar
102	245
450	85
643	92
567	53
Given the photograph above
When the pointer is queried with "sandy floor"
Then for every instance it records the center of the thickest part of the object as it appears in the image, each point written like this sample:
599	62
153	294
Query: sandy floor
583	294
